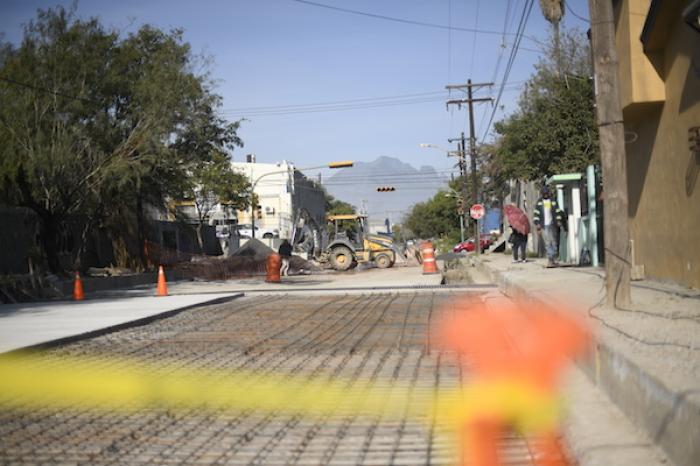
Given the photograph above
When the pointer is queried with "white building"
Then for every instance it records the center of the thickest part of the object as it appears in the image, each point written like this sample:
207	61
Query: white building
281	193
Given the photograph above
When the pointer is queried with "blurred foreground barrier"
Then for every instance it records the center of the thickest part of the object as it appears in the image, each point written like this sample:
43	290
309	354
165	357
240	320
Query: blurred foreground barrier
522	349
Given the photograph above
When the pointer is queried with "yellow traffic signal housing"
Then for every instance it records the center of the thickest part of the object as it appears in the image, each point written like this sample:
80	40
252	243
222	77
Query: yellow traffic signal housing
461	206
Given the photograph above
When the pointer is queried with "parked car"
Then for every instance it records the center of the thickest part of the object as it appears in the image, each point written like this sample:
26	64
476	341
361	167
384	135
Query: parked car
246	230
470	246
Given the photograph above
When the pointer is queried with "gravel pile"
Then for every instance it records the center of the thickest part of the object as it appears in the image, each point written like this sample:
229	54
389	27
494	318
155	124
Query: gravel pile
248	260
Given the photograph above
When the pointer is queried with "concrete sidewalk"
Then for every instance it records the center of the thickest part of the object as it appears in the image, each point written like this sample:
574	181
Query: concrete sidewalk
30	324
357	279
647	357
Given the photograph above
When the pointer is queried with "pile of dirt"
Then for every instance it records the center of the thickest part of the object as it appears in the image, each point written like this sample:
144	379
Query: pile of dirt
222	268
255	249
248	260
297	264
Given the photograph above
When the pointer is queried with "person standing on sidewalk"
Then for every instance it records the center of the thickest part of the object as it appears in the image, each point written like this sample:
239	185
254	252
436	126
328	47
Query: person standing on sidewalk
285	251
519	243
548	219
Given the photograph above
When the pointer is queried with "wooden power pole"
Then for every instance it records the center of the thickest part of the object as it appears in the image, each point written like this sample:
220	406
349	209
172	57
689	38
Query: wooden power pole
472	145
461	145
612	154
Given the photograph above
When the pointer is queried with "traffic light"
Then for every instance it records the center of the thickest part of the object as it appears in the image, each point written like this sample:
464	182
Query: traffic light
258	212
461	206
384	189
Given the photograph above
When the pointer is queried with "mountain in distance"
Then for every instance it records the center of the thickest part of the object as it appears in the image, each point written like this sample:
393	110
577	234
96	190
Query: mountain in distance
358	186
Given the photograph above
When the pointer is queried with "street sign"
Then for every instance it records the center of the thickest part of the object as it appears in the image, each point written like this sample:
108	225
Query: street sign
476	211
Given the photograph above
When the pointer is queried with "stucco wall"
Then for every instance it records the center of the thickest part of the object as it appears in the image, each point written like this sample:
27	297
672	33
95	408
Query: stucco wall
639	81
665	219
274	190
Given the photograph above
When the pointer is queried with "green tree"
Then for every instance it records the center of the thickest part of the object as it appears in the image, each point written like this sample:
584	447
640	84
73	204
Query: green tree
96	127
49	112
435	218
554	129
495	185
336	206
214	182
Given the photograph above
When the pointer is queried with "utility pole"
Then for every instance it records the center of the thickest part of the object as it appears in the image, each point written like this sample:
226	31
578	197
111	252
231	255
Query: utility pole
612	154
472	144
464	214
460	150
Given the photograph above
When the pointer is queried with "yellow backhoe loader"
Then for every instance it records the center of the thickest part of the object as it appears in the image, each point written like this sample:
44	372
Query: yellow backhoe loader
350	243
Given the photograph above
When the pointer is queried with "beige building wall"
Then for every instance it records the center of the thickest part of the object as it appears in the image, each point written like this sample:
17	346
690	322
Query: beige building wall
664	214
274	185
639	81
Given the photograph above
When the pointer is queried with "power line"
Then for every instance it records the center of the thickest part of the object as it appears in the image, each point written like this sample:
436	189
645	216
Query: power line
499	60
336	102
335	108
449	40
527	9
568	7
449	60
417	175
406	21
438	184
446	171
476	21
358	179
341	105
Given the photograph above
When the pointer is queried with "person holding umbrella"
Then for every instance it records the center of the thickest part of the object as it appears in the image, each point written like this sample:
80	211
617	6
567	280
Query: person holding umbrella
520	226
519	243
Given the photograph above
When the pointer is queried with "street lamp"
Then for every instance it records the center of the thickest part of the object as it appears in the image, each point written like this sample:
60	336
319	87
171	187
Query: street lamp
463	172
450	153
341	164
460	196
461	203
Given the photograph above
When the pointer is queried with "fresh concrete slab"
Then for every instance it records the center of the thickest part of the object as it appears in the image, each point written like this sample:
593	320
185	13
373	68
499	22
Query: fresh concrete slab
30	324
360	278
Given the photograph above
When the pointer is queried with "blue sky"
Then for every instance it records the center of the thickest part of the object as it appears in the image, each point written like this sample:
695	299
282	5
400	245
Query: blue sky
274	53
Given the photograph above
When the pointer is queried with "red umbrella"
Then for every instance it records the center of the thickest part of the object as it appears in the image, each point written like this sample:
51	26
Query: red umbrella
517	219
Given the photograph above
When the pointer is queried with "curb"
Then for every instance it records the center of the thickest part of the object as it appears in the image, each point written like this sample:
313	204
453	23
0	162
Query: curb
95	284
117	327
670	419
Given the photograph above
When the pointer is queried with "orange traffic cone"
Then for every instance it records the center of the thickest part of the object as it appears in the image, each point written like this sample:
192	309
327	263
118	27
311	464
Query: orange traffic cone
274	261
78	294
162	287
428	253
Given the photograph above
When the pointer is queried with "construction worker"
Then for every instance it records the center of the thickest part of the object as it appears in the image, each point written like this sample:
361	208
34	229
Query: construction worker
285	251
549	218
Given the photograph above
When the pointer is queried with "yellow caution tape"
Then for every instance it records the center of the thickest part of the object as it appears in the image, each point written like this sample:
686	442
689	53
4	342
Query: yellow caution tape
28	382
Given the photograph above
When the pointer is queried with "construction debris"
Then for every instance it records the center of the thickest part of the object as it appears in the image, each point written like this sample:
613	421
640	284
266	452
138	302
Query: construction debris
248	260
255	249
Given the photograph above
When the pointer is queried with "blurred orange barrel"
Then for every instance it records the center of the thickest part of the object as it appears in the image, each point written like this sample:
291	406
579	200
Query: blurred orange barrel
428	253
274	262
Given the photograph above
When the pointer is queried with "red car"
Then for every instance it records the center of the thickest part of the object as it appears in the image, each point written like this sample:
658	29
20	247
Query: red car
469	245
